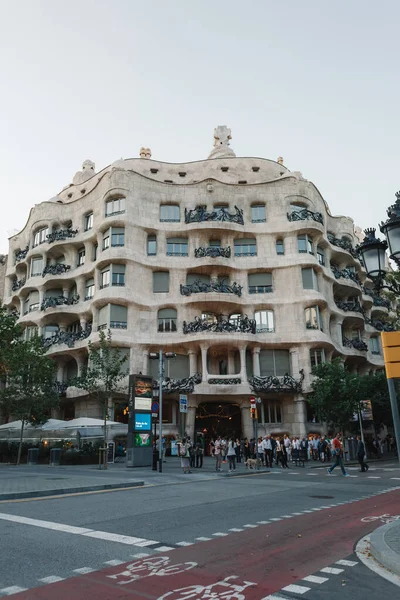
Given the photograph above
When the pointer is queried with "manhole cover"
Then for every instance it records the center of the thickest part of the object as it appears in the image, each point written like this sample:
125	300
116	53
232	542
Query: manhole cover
322	497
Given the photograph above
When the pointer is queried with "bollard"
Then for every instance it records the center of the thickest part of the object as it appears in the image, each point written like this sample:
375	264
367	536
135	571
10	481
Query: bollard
55	457
33	456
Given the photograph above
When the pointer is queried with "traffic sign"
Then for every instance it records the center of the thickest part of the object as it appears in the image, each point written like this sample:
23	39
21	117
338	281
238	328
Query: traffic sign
182	403
155	407
253	399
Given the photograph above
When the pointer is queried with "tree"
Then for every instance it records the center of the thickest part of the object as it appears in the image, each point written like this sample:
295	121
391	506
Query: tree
29	393
102	375
10	333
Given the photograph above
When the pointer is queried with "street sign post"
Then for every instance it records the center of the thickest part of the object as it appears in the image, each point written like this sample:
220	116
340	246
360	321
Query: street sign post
391	354
183	411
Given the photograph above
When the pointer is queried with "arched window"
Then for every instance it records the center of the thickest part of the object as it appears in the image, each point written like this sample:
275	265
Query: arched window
151	245
40	236
167	320
115	206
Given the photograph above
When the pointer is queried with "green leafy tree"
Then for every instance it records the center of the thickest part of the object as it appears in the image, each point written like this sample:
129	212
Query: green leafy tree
102	375
10	334
29	393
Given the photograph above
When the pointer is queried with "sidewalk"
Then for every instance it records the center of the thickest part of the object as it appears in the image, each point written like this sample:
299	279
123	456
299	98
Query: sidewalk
385	546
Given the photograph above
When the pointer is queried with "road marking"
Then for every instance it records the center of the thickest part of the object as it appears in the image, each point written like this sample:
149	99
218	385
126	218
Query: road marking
373	477
140	555
164	548
45	524
276	519
288	516
235	530
263	522
312	474
203	539
291	473
307	511
51	579
14	589
297	514
346	563
145	543
315	579
296	589
114	563
332	570
353	475
219	534
250	526
314	509
184	544
275	597
398	478
84	570
122	539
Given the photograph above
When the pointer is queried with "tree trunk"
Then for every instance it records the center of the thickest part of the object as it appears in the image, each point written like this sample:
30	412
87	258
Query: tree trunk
20	443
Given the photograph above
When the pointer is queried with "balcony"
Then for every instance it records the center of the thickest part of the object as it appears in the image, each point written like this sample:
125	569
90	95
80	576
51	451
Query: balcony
215	285
56	269
353	306
260	289
356	344
228	381
345	274
305	215
343	244
277	384
380	325
201	215
220	325
212	252
113	325
61	234
21	254
183	386
53	301
18	284
379	301
61	387
67	337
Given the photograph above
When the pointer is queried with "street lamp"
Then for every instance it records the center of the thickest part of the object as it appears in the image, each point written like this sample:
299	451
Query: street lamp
160	357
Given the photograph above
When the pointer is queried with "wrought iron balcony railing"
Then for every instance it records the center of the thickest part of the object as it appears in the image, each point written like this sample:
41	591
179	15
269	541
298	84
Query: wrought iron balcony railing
380	325
345	274
53	301
351	305
305	215
213	252
200	214
230	381
61	387
18	283
344	244
274	383
56	269
215	285
380	301
260	289
220	325
356	344
67	337
21	254
185	385
61	234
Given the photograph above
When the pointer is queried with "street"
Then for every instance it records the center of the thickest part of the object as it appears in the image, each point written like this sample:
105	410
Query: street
278	534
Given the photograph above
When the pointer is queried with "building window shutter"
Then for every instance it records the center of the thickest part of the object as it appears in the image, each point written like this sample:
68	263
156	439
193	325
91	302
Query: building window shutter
160	281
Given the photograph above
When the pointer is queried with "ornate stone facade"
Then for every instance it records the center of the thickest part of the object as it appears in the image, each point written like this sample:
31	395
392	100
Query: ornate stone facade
149	259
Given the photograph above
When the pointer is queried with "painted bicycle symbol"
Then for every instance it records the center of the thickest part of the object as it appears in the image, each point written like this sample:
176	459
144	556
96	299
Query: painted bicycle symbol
383	518
227	589
157	565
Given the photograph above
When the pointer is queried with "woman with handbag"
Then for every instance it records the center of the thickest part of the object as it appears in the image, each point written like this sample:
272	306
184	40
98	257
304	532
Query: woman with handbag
185	456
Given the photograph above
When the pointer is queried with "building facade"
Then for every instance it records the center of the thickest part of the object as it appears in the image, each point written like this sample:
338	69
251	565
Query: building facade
235	264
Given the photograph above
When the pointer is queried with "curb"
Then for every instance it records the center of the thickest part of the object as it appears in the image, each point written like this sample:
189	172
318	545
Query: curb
380	549
75	490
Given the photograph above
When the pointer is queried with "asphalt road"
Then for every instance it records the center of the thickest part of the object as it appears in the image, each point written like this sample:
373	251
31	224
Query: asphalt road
271	530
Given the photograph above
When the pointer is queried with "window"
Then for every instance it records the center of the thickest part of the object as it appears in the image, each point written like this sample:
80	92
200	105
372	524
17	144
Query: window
125	367
105	278
118	316
258	214
355	334
116	206
160	282
305	244
193	277
271	412
170	213
321	255
374	345
310	279
234	319
167	320
317	356
260	283
280	247
36	266
88	223
31	332
95	252
151	245
246	247
177	247
296	207
40	236
89	289
50	330
32	302
81	256
275	363
264	321
313	318
118	275
117	236
215	243
106	239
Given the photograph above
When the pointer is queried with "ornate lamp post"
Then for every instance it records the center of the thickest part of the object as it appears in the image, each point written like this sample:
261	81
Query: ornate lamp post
373	253
160	357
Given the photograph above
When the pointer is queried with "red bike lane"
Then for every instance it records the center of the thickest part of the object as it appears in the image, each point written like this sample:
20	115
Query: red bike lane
248	565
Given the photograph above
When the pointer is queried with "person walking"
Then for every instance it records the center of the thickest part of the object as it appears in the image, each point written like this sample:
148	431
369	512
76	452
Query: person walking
337	447
237	450
199	452
283	454
185	456
218	453
361	455
231	455
260	451
267	444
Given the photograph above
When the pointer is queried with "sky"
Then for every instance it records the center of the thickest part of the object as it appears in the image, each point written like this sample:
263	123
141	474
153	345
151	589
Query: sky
314	81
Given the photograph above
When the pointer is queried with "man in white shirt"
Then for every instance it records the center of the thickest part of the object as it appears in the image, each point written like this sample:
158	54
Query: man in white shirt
267	448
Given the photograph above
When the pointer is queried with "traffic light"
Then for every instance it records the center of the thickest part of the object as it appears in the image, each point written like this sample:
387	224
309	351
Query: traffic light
253	412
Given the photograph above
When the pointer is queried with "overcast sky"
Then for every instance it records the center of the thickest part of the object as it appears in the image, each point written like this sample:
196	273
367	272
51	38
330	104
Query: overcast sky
314	81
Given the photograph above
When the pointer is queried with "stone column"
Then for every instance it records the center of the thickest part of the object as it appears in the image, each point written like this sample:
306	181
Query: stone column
301	416
243	374
83	322
190	420
65	291
204	363
80	288
247	424
145	362
192	362
256	361
294	362
231	361
80	361
60	371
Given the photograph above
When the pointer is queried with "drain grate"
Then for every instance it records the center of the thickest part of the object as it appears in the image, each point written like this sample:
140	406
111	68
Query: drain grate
322	497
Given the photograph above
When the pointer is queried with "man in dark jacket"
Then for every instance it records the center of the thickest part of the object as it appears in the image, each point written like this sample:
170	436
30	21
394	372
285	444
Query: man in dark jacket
361	454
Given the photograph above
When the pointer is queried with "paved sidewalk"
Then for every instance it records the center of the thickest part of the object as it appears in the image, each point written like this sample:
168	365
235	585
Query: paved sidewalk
385	546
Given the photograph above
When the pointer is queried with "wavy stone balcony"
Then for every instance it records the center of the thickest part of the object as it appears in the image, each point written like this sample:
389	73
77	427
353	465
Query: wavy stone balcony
67	337
21	254
186	385
201	215
345	274
380	302
356	344
56	269
343	244
212	252
61	234
305	215
17	284
349	306
277	384
54	301
224	381
61	387
220	325
220	287
380	325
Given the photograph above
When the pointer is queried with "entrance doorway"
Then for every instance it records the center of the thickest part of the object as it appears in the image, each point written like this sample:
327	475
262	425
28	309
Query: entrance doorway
219	418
